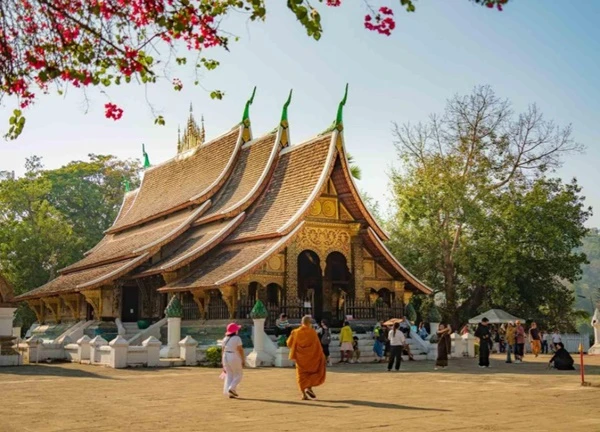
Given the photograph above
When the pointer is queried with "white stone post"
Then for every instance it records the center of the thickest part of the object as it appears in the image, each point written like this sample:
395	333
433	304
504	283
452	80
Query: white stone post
153	351
171	350
470	340
459	345
595	349
96	343
83	351
174	312
187	348
258	357
433	328
118	353
6	321
34	348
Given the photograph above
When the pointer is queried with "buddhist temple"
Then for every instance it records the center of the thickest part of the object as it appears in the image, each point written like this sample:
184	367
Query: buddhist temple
231	220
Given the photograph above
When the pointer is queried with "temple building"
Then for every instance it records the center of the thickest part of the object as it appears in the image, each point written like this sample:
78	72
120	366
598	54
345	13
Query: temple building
232	220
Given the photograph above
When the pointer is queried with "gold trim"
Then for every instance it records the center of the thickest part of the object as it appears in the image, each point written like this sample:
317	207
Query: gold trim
72	302
53	303
94	299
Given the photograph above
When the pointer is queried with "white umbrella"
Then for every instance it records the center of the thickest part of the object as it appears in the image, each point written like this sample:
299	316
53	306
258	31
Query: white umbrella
495	316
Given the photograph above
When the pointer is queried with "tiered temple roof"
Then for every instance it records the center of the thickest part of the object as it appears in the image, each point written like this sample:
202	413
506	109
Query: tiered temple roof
223	208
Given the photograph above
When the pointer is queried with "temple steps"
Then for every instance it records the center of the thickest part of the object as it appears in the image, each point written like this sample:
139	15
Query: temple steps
131	329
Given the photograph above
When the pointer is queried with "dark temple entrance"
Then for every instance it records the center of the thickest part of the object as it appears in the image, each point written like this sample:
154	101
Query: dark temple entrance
131	304
310	283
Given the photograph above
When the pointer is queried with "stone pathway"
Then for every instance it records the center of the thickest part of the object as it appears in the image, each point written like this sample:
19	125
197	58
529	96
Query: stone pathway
526	397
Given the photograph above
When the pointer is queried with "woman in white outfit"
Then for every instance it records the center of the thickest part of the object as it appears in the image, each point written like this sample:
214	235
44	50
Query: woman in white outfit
233	360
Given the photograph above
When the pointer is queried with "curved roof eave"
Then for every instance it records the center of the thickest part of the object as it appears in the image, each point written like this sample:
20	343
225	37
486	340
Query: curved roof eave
356	195
395	263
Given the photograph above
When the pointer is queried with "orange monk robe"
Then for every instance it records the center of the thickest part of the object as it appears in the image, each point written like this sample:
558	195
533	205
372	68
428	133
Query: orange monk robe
306	351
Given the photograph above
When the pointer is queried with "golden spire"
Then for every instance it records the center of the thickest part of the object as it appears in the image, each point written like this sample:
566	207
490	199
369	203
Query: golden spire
193	136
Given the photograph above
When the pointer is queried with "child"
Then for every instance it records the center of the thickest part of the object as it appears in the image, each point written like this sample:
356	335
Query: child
356	354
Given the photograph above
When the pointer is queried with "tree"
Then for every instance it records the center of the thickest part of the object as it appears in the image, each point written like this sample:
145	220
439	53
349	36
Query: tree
49	218
60	43
470	183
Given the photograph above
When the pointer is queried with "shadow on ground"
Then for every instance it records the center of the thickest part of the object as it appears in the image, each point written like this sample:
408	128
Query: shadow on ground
343	404
47	370
467	366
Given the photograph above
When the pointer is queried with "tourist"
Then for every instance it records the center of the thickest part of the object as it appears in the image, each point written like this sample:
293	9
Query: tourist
556	339
356	351
379	344
465	330
422	331
325	336
444	346
484	336
233	360
346	343
397	342
520	342
307	353
283	326
534	339
561	359
545	341
510	340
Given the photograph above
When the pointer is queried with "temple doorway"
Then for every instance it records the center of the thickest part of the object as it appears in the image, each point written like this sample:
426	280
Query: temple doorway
310	282
337	284
131	304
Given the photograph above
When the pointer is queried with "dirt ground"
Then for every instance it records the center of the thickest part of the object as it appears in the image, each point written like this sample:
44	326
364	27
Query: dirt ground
525	397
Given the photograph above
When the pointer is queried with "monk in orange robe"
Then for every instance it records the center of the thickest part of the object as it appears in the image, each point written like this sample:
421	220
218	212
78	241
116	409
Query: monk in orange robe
306	351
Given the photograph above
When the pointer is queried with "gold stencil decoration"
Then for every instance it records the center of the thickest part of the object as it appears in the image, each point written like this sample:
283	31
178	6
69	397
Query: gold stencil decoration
275	263
382	274
324	240
328	208
369	268
316	208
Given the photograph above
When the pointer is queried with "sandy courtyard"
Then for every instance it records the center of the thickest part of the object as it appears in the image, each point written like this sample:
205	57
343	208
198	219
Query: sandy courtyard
526	397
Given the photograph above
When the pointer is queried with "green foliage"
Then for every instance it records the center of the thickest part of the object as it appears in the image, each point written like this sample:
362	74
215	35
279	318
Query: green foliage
434	314
49	218
587	289
410	312
214	356
487	225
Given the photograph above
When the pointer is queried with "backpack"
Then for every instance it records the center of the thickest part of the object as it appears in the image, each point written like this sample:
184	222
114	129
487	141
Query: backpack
325	337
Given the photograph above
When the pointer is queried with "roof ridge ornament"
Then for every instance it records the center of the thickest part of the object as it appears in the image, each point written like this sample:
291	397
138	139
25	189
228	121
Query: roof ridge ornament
339	120
246	116
338	123
146	158
284	137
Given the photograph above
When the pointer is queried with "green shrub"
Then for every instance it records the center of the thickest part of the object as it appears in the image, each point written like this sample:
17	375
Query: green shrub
282	341
410	312
434	315
214	356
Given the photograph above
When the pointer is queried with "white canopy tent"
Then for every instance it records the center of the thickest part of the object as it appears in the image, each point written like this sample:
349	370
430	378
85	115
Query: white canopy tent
495	316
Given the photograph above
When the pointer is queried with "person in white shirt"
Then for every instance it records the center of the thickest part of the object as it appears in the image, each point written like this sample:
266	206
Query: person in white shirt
555	340
397	341
233	361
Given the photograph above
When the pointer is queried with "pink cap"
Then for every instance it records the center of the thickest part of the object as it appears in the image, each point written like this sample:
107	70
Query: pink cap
233	328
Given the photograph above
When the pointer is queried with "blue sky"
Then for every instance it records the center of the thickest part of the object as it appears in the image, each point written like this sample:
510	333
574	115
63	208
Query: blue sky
546	52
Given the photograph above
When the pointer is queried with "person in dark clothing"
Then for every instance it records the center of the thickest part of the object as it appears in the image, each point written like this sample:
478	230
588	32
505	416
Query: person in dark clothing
484	336
561	359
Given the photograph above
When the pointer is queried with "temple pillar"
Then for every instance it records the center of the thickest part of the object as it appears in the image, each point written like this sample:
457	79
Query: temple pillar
357	268
242	289
229	293
291	271
201	301
398	288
